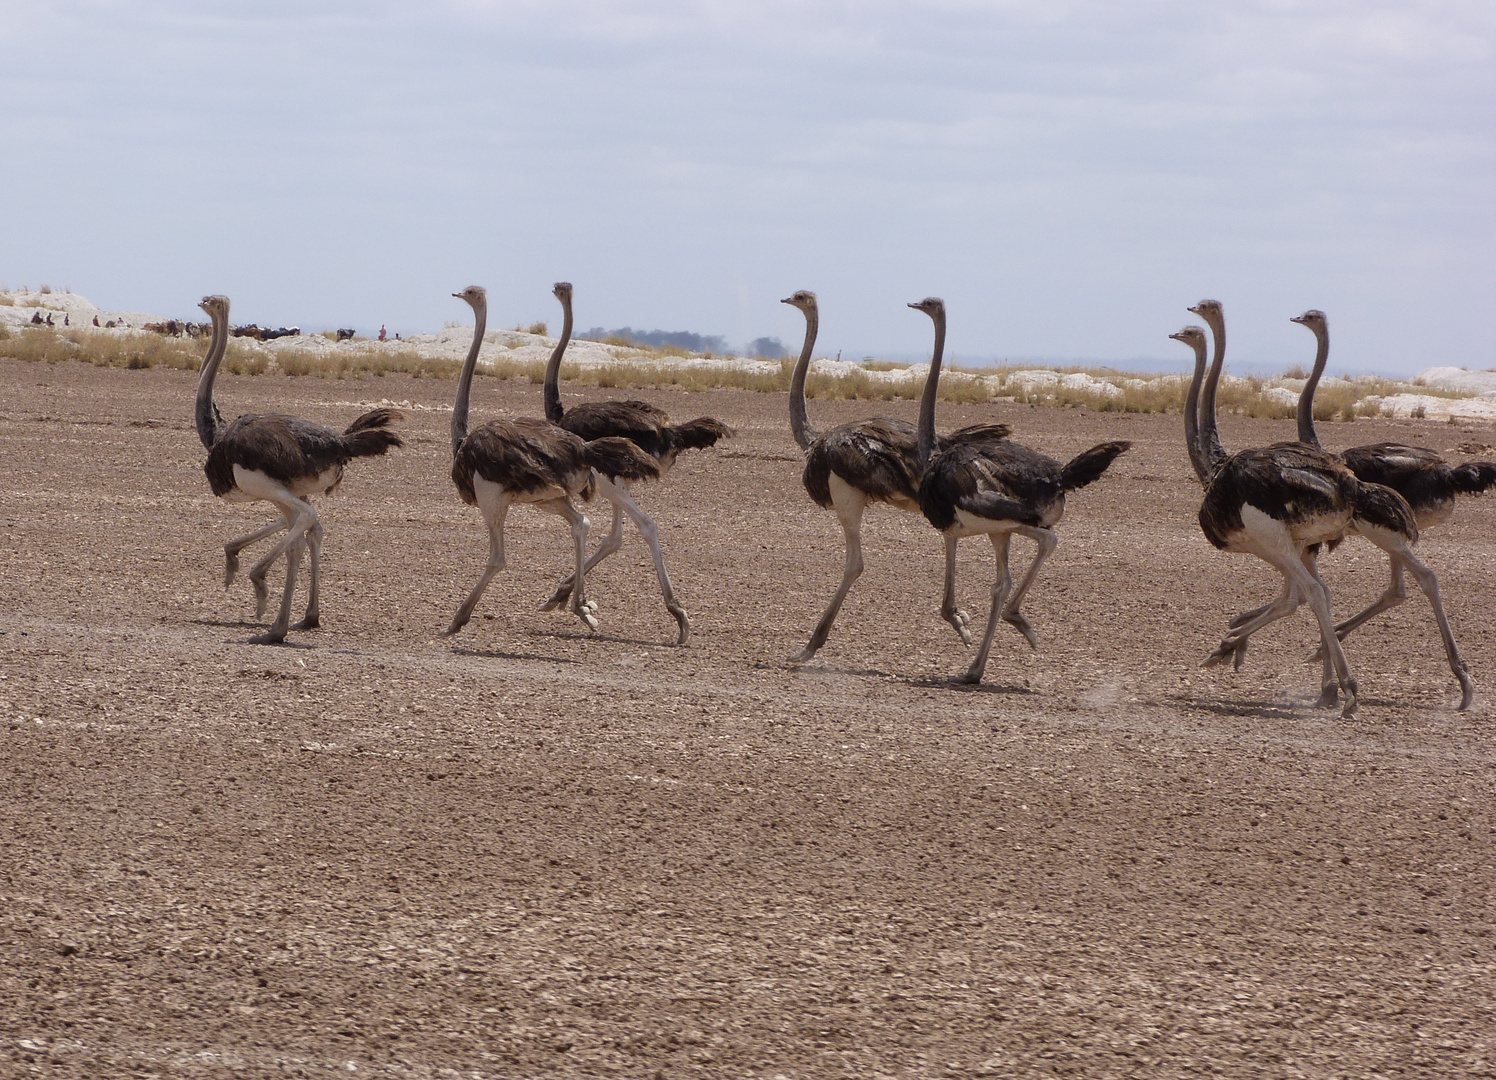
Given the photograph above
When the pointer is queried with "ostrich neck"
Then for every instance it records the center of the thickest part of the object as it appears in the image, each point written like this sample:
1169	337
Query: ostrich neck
927	400
465	379
799	421
1210	438
207	411
1307	433
1192	416
553	410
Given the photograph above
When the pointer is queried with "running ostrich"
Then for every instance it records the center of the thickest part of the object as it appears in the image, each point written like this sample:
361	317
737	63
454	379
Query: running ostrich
529	461
1281	503
647	427
1424	479
279	459
974	486
861	463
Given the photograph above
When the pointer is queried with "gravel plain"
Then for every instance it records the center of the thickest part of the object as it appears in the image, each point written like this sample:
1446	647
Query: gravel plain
529	851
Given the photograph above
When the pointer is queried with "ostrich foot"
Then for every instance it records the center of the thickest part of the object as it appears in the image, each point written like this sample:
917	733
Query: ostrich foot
682	621
1024	627
311	622
1350	700
1226	650
230	568
1241	654
457	624
1467	690
961	621
805	655
270	637
262	596
587	613
559	597
1329	697
968	678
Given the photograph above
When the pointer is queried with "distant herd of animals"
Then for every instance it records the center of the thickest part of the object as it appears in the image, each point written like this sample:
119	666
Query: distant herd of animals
1283	503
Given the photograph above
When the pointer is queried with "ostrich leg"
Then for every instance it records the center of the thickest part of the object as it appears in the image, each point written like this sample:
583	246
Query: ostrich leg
948	609
849	504
233	547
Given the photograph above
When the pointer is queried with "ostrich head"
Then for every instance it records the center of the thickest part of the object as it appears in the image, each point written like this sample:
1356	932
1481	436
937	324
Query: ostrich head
803	299
562	291
215	305
932	306
475	295
1210	311
1314	319
1191	336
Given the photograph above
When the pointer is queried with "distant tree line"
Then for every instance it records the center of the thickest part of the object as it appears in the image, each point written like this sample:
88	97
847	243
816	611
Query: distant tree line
659	339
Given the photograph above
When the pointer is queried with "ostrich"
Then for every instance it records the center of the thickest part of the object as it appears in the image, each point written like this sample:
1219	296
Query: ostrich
991	486
861	463
529	461
1280	503
279	459
648	428
1420	476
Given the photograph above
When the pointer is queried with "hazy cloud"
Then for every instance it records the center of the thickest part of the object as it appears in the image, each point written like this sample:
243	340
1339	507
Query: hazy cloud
1067	175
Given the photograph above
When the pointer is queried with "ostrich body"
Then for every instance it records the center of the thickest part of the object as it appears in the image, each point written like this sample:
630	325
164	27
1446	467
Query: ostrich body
646	426
528	461
979	485
282	460
1281	503
1427	482
859	464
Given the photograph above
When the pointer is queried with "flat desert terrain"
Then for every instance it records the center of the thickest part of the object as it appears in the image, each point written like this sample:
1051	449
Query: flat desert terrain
531	851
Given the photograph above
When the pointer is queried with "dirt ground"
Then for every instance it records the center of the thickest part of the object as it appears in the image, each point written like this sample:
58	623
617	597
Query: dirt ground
528	851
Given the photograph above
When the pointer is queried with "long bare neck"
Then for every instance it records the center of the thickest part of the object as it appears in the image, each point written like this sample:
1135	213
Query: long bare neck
932	389
206	413
553	410
1307	433
799	421
1192	415
465	379
1210	437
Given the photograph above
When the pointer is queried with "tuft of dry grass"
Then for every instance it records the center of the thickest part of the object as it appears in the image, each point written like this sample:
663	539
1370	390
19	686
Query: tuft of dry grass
346	363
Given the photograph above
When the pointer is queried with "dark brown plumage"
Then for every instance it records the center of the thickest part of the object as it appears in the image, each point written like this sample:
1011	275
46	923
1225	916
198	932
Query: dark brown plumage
290	450
280	459
1295	484
645	425
876	456
528	456
1422	476
998	479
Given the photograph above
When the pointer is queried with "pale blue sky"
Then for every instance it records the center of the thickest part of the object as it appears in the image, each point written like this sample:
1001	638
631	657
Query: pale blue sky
1069	175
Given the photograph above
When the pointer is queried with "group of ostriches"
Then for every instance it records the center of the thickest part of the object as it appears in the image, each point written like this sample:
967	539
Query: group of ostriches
1282	503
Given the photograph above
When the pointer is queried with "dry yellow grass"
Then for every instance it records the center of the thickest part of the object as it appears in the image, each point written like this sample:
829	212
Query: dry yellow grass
650	368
